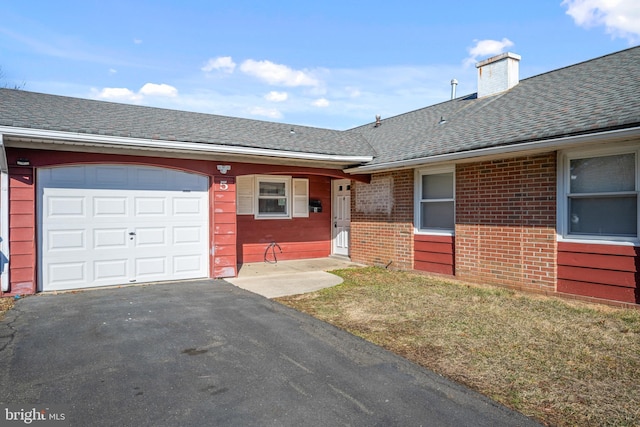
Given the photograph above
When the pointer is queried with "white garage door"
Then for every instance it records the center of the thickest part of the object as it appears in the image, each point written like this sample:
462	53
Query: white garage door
110	225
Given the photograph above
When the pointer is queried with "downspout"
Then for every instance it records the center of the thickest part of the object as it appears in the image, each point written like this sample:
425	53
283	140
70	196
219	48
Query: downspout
4	217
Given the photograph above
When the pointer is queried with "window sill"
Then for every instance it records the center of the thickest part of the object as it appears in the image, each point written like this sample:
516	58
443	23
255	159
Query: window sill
595	241
434	232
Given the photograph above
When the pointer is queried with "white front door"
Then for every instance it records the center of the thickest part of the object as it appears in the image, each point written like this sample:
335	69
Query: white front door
341	208
113	224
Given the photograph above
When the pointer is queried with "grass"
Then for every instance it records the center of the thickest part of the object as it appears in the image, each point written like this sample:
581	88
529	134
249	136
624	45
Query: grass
562	362
6	304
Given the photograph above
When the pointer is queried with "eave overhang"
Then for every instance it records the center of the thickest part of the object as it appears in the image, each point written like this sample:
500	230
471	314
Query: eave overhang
618	135
60	138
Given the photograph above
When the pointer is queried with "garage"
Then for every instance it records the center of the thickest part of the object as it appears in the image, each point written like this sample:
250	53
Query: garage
102	225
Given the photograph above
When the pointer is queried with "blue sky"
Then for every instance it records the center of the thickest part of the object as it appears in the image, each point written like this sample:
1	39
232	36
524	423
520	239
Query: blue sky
333	64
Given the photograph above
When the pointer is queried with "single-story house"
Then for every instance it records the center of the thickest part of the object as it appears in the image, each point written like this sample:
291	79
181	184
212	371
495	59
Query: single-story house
530	184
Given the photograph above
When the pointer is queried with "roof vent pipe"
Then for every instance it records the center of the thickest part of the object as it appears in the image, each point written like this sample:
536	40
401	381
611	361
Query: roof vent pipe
378	122
454	83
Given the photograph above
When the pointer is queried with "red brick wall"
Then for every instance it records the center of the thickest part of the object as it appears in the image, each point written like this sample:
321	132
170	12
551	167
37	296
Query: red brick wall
505	222
382	220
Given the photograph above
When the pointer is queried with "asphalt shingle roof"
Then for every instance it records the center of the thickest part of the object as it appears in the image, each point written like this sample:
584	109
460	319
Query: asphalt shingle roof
19	108
593	96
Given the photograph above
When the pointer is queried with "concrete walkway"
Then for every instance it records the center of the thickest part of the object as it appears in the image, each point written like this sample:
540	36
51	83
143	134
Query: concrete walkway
290	277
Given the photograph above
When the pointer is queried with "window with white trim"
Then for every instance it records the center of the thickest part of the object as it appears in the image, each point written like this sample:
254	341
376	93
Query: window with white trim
272	197
601	196
435	197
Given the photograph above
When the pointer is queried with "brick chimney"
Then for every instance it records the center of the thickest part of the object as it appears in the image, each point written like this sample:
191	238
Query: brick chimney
498	74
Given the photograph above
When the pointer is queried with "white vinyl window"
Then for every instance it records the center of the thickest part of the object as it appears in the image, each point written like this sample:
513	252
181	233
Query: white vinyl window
600	195
435	200
275	197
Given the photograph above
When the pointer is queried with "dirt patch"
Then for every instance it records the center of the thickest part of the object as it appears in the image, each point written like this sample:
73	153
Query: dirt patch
562	362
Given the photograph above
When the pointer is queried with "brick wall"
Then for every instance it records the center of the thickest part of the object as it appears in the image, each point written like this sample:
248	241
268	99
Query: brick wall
382	220
505	222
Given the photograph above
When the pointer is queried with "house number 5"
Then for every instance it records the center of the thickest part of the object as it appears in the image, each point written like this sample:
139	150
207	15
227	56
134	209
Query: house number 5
224	186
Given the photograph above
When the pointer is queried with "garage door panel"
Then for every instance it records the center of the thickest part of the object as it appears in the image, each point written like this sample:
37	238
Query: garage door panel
152	206
187	264
71	274
150	178
187	206
156	267
150	236
108	225
66	177
109	270
184	235
65	240
106	206
110	238
110	177
65	207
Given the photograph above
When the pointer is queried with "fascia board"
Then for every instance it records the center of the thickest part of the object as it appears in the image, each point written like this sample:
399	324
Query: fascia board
542	145
60	137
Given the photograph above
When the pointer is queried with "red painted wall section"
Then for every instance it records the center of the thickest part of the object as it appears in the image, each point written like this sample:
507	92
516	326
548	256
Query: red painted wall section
599	271
299	238
22	231
434	254
224	261
231	238
506	222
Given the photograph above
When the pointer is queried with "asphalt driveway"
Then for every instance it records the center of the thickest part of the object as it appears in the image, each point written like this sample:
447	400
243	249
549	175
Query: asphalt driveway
206	353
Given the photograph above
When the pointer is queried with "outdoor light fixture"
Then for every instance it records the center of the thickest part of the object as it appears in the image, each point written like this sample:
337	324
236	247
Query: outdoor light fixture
23	162
223	168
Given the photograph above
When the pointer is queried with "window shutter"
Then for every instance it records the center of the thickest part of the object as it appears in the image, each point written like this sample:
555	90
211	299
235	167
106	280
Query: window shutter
244	195
300	197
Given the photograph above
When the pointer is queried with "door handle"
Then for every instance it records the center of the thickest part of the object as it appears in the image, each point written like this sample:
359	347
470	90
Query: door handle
132	233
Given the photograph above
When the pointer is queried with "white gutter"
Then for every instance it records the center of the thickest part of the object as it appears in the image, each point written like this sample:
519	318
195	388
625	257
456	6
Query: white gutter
4	218
556	143
193	147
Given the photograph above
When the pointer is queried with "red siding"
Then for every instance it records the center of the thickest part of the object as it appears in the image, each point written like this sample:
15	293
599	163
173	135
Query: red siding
599	271
223	227
299	238
434	254
22	231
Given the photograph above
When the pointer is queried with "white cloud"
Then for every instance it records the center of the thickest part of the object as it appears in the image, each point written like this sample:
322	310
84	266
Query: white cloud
621	18
112	71
277	74
137	41
119	94
274	96
271	113
487	48
152	89
322	102
221	63
122	94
